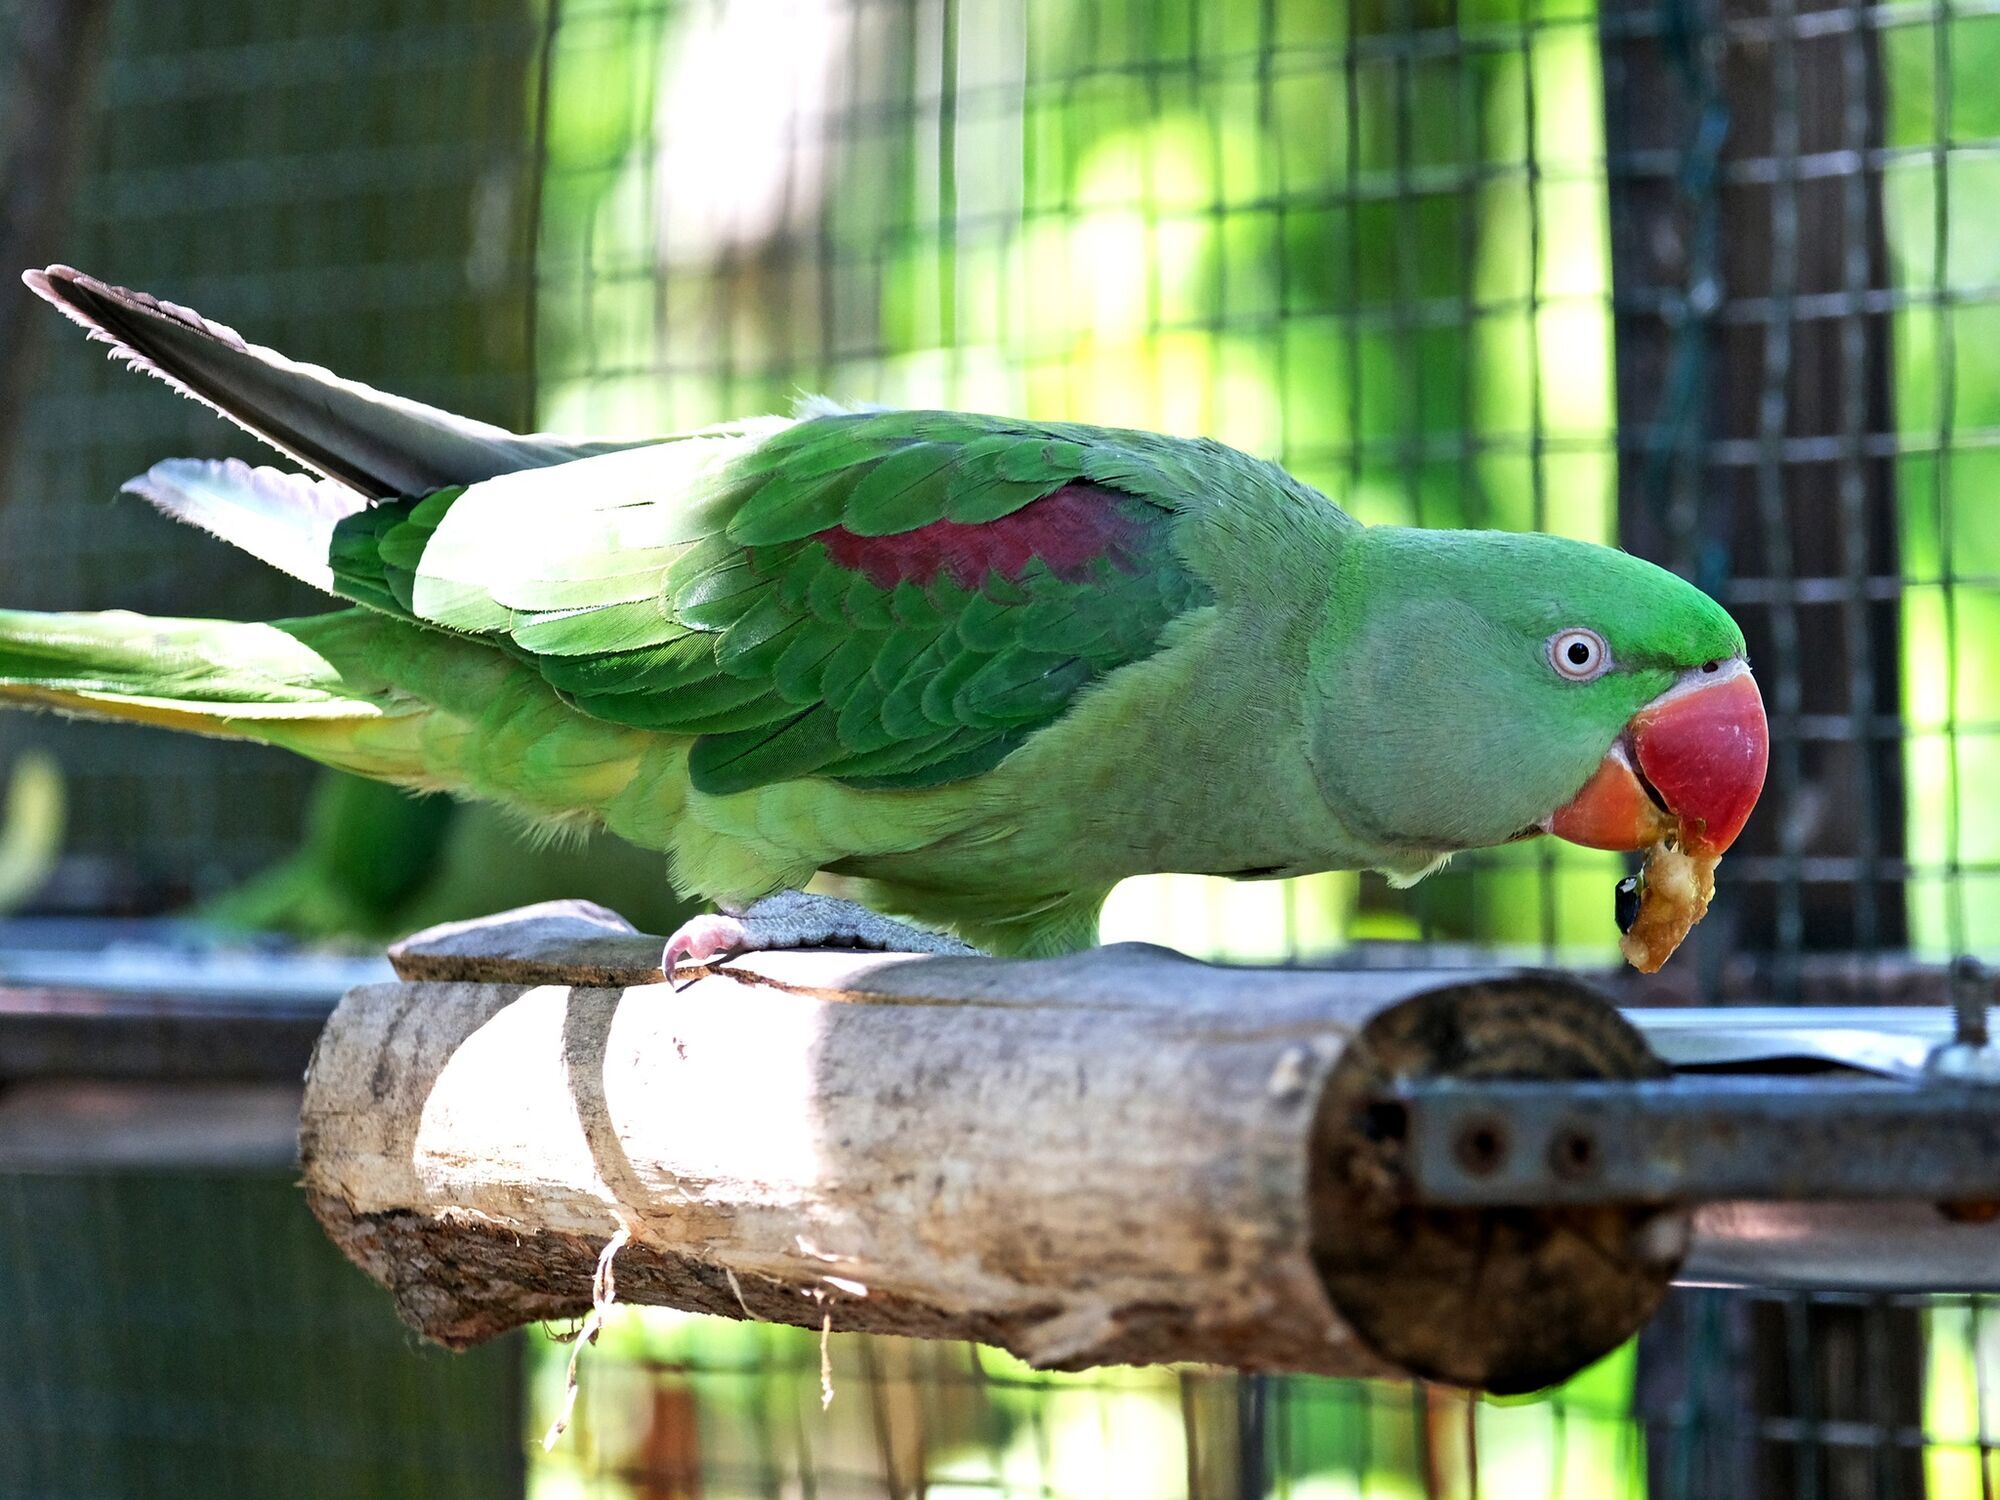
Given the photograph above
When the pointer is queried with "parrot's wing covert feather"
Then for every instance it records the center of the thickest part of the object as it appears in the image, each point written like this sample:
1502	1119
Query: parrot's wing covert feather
885	598
287	520
376	443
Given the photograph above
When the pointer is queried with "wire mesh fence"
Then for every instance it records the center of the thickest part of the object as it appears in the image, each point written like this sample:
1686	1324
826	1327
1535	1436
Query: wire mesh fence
1705	278
352	182
191	1333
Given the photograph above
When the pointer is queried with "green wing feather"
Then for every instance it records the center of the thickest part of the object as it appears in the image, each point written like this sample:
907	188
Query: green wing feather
694	588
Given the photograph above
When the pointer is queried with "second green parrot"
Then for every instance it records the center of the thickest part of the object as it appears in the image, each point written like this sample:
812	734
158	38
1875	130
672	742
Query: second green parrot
987	667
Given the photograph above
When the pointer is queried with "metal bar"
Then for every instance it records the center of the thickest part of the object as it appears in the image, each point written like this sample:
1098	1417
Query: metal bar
73	1125
159	1000
1853	1247
1697	1139
50	1032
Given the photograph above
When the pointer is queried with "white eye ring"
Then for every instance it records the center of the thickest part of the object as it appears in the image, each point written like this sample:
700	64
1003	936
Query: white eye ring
1579	655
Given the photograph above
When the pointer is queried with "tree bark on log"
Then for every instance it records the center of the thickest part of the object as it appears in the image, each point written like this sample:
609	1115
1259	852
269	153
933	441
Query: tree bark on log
1123	1156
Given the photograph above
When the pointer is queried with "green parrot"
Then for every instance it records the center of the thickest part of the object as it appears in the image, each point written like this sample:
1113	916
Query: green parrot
984	667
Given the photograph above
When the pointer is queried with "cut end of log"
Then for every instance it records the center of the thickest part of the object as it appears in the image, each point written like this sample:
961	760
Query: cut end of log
1502	1299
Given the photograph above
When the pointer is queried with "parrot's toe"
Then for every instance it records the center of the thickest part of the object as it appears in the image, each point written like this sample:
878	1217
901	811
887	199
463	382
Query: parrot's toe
796	919
702	939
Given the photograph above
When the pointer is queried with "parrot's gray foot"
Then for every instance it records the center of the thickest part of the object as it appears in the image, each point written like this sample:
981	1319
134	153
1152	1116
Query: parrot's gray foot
795	919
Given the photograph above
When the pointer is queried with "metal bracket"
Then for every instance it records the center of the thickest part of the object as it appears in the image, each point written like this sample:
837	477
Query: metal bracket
1695	1138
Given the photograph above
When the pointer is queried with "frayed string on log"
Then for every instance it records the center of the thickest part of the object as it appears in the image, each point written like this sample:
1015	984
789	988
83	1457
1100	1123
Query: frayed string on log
826	1359
603	1293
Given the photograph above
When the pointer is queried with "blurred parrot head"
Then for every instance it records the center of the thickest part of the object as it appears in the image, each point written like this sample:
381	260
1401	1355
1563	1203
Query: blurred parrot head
1478	687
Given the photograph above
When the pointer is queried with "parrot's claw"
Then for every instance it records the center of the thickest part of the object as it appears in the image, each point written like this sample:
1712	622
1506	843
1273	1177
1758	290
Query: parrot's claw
702	939
795	919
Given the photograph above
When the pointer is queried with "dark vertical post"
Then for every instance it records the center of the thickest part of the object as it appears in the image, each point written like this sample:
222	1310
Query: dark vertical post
1749	273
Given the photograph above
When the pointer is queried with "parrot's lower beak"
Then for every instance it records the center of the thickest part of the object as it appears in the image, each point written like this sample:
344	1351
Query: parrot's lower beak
1690	761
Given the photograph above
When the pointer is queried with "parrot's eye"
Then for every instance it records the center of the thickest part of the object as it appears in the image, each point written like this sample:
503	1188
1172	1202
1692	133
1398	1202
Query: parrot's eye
1579	654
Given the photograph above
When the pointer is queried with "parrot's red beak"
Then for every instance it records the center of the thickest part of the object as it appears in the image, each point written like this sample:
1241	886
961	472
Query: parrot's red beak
1697	752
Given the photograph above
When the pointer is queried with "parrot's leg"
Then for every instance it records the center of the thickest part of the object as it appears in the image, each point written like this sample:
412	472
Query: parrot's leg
795	919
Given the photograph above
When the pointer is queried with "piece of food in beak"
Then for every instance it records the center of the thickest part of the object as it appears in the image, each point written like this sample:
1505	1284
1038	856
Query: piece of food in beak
1675	888
1679	783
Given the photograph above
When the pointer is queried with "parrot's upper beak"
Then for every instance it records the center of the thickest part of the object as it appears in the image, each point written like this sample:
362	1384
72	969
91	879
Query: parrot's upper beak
1696	754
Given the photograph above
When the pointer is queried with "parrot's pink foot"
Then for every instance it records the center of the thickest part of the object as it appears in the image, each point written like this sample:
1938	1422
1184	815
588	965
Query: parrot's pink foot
699	939
794	919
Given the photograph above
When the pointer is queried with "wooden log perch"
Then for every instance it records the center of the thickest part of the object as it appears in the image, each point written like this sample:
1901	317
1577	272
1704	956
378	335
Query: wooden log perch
1124	1156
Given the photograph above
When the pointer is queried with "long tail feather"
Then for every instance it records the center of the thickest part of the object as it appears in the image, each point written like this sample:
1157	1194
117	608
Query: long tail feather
375	443
235	680
354	689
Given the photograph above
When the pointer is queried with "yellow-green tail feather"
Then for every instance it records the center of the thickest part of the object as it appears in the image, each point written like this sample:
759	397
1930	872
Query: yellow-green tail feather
230	679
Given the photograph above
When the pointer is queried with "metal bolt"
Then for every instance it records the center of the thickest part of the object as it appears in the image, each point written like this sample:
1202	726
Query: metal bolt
1971	994
1970	1056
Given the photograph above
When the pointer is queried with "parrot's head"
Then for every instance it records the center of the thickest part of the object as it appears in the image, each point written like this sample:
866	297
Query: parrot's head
1475	687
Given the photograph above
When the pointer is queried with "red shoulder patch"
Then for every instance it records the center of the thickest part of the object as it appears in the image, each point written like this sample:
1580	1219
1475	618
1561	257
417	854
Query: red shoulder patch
1067	530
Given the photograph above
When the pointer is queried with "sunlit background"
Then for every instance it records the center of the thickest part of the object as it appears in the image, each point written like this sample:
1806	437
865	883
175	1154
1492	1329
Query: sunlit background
1718	282
1390	274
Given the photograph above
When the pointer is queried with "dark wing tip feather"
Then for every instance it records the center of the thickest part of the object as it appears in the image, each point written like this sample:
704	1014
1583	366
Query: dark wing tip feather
52	285
373	442
117	316
119	311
